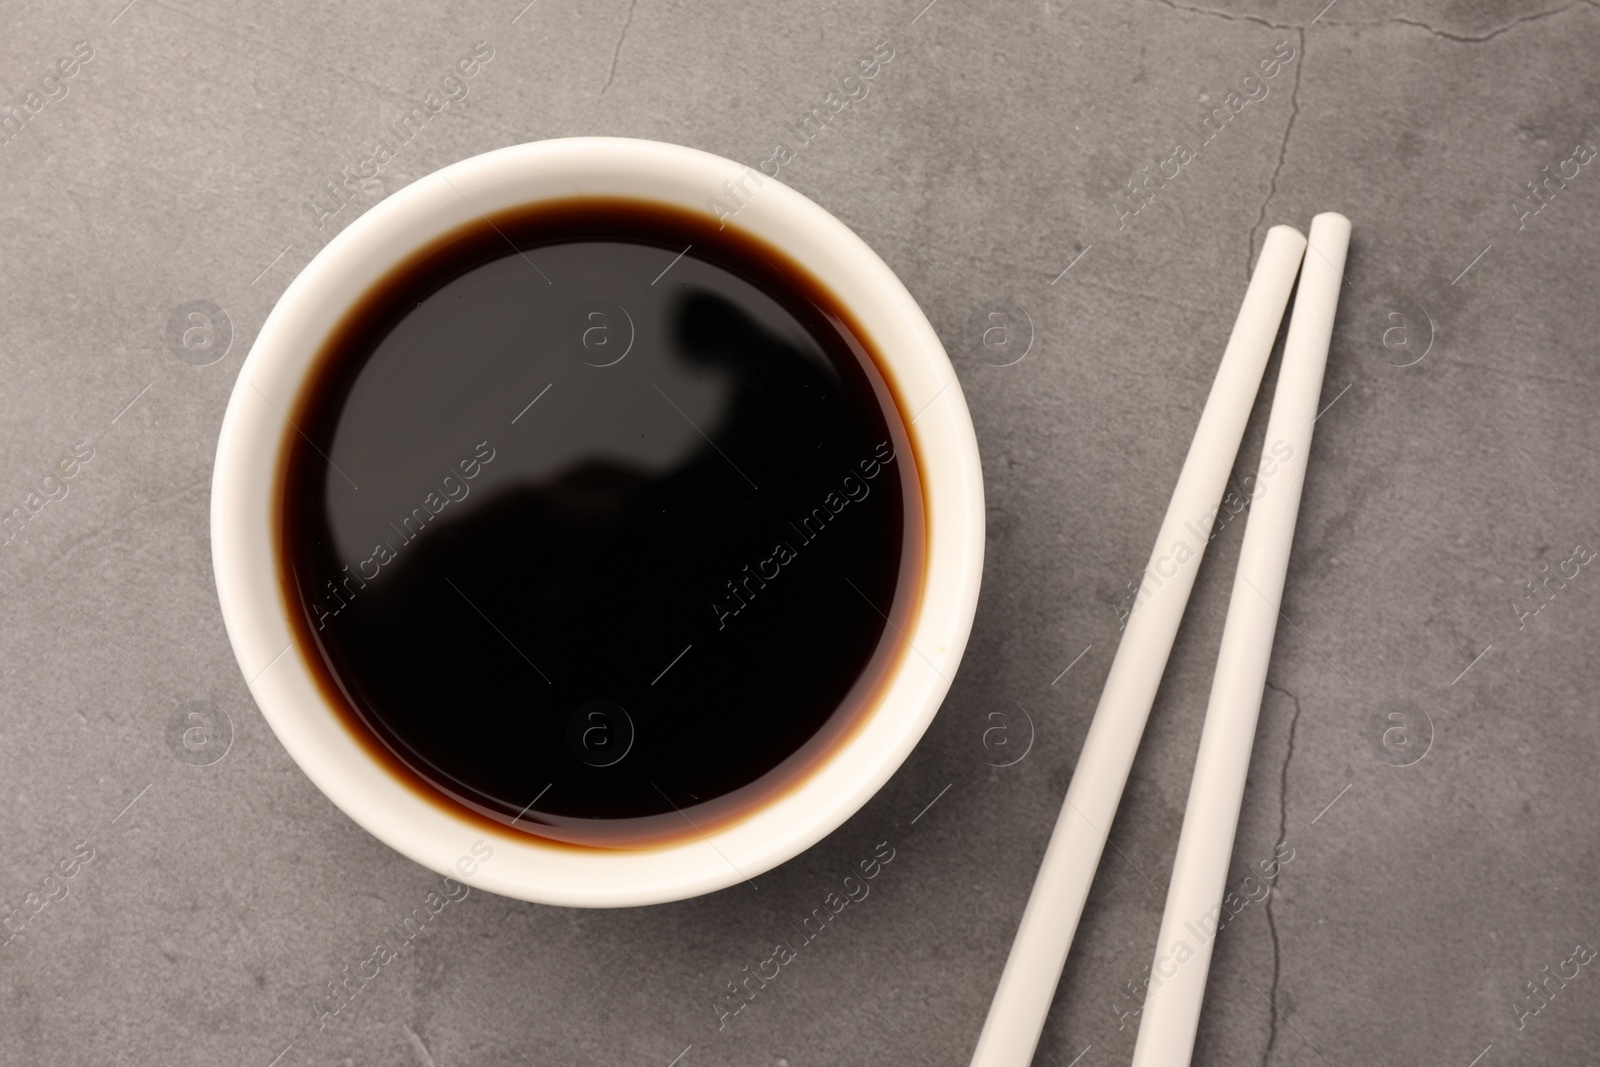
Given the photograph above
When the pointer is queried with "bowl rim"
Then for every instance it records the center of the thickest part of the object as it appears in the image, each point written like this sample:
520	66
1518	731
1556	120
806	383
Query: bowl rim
254	431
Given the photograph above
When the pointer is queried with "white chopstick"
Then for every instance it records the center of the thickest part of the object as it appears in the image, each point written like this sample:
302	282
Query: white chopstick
1028	982
1177	985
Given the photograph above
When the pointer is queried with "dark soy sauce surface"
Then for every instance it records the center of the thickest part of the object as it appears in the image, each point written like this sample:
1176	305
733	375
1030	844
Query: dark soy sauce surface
596	536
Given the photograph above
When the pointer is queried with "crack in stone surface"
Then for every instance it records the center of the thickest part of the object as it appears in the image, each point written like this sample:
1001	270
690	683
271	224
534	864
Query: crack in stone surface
1227	15
617	51
1283	830
1464	38
1460	38
1283	151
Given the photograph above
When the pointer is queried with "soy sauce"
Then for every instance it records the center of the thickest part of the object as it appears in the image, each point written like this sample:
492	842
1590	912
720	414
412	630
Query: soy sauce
600	522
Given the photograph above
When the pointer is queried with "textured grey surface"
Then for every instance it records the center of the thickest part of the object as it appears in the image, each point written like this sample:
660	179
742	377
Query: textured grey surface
222	899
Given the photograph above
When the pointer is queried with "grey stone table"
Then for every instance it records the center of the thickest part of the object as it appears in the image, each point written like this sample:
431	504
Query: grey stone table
1099	176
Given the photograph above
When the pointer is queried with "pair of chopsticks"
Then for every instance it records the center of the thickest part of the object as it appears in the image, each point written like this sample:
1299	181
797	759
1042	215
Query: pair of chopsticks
1171	1011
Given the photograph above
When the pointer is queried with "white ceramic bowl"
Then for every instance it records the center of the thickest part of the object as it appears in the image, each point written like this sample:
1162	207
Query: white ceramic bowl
254	433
